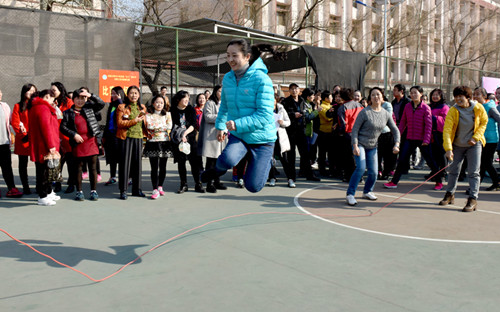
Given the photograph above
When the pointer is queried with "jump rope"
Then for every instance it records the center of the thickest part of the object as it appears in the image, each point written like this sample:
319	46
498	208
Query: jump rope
370	214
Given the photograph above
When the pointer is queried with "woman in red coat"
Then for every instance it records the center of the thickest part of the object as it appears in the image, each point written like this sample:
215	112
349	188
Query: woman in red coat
20	124
64	102
44	140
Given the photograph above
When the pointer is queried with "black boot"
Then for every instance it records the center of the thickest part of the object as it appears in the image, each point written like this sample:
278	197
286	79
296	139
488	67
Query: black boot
183	188
199	188
211	188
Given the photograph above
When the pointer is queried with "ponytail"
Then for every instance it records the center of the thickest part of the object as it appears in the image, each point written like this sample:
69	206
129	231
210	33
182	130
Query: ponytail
256	50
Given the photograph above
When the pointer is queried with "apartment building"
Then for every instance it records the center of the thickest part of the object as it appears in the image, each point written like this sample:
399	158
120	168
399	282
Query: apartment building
420	33
95	8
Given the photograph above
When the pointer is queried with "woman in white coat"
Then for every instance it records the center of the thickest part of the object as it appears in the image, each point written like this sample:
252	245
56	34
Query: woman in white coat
282	144
208	145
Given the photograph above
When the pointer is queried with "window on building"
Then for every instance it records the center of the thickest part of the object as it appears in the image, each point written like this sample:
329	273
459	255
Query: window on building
82	3
437	22
376	33
16	38
393	67
423	70
357	28
437	45
408	68
437	71
282	14
251	7
335	24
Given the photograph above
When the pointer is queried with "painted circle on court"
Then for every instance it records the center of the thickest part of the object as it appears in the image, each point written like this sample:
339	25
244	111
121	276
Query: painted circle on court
414	216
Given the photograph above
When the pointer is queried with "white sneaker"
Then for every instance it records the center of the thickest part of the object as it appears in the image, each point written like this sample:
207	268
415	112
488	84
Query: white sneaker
53	196
272	182
351	201
370	196
291	184
315	166
46	201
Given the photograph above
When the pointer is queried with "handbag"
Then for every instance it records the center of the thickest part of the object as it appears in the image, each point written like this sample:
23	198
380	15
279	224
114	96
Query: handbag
53	163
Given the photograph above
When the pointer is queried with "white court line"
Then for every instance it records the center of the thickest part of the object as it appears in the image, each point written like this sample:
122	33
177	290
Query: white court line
296	202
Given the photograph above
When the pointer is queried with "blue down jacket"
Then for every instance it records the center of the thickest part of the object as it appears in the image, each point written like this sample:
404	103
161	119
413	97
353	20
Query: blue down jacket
249	103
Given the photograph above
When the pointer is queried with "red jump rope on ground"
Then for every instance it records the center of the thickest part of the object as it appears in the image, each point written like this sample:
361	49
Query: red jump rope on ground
205	224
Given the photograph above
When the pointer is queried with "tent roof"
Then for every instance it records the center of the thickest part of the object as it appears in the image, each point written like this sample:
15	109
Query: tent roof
196	40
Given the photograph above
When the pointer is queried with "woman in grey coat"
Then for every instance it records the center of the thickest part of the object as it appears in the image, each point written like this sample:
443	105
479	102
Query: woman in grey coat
208	145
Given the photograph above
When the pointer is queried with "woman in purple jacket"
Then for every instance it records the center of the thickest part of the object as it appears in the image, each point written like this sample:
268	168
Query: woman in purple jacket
417	120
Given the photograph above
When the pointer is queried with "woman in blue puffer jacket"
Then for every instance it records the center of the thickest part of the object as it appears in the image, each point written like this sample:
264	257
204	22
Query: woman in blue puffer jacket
246	111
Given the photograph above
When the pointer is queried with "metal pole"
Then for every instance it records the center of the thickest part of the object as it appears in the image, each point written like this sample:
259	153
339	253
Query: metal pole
140	66
385	46
176	60
307	72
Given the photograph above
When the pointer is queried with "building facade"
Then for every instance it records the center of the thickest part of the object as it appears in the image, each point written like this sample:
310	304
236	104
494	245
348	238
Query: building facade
424	37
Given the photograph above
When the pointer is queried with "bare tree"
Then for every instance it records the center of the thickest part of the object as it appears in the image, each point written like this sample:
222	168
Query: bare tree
469	43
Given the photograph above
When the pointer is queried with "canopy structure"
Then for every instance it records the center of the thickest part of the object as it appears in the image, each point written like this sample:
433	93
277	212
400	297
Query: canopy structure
197	46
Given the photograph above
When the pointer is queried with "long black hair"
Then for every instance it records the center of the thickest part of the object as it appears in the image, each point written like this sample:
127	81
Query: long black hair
63	97
178	97
119	90
213	96
166	105
126	99
256	50
23	103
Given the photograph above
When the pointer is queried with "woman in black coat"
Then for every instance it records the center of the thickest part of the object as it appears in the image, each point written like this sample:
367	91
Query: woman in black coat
184	130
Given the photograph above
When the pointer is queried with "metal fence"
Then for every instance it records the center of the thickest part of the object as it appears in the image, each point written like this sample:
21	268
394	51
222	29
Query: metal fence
195	60
40	47
428	75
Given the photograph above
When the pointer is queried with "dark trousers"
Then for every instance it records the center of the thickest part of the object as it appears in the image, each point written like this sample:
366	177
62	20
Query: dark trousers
298	141
91	161
43	186
438	154
385	154
130	164
68	159
409	147
158	171
210	164
194	160
23	170
347	158
6	165
487	162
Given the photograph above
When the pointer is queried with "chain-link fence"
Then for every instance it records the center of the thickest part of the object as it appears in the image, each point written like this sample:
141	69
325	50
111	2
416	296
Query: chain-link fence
426	74
40	47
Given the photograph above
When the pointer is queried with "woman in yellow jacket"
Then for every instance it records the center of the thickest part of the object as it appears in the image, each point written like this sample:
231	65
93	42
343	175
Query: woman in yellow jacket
463	136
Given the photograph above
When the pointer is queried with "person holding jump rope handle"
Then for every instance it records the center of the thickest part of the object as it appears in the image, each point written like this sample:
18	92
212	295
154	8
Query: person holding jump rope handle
463	136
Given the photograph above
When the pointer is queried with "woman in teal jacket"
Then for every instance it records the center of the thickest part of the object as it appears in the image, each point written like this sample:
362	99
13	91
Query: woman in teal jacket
491	136
246	111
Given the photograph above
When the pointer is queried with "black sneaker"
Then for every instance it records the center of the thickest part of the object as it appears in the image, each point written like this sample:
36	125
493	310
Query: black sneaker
211	188
199	188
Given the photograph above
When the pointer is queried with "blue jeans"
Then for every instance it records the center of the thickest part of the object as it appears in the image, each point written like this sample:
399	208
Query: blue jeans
367	159
259	158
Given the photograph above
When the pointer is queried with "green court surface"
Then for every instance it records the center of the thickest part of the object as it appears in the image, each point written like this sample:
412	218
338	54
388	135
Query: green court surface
412	255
